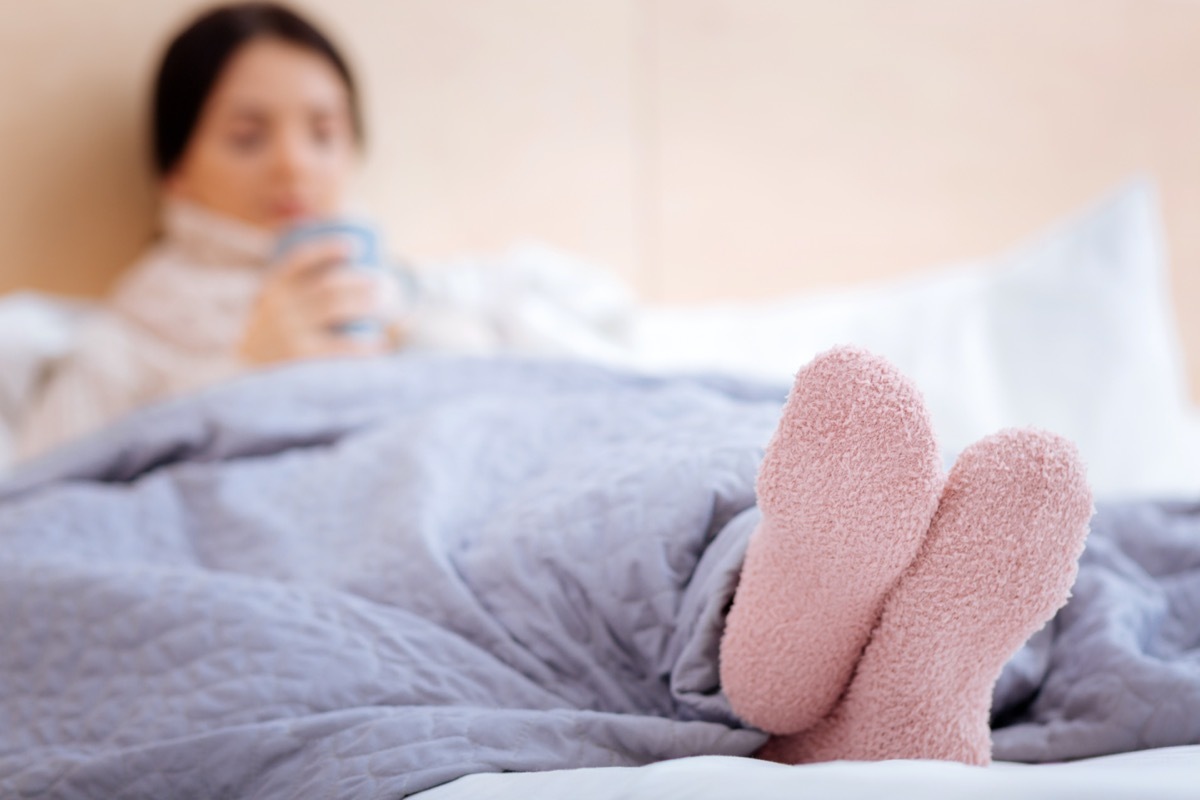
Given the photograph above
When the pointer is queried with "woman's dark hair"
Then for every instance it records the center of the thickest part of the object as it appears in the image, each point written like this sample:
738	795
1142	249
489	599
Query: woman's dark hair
195	58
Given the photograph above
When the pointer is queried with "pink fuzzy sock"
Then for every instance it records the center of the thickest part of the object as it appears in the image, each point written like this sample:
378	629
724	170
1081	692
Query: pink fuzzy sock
847	489
999	560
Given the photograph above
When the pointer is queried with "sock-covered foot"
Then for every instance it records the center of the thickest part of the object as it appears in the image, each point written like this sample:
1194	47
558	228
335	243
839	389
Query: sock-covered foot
847	489
999	560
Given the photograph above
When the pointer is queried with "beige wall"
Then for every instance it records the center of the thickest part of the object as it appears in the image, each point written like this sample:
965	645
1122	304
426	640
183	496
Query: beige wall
703	148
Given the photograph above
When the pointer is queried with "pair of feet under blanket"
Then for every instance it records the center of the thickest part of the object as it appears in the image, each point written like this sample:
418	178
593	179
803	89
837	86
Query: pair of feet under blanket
365	579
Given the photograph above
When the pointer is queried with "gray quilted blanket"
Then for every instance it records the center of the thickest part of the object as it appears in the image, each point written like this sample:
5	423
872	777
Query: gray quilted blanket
366	579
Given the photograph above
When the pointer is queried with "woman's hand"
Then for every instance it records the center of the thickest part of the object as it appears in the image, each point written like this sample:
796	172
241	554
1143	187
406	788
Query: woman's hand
307	297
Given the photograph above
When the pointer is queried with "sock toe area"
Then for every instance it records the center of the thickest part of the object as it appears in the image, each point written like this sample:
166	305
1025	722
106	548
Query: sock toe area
854	453
1016	506
847	488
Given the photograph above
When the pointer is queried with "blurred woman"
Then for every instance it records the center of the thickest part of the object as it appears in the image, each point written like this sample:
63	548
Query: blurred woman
256	129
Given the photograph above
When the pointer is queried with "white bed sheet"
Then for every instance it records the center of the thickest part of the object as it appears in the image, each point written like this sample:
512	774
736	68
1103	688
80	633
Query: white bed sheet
1164	774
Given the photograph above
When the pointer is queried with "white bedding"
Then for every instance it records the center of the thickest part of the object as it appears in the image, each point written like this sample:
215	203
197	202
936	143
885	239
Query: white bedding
35	330
1163	774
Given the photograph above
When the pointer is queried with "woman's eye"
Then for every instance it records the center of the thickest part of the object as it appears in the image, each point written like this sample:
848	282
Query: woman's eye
246	141
323	134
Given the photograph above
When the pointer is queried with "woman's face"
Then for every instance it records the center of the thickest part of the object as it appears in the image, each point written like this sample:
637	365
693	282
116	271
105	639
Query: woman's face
274	143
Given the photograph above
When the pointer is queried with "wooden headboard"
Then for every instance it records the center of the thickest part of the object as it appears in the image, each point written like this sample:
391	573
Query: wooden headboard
705	149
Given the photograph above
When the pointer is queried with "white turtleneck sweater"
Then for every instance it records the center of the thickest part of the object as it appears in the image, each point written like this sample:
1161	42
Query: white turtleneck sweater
171	325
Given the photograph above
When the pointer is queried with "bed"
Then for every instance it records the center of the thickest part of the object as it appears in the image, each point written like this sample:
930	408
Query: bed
230	593
702	150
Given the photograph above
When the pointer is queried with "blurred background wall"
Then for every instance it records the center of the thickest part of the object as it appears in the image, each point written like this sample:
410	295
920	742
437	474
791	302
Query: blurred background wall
704	149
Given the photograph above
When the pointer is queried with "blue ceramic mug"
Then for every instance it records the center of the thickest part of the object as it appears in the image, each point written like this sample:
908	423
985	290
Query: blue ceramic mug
365	253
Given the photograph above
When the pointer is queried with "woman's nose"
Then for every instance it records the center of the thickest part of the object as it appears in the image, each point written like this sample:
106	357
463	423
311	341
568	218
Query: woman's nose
291	156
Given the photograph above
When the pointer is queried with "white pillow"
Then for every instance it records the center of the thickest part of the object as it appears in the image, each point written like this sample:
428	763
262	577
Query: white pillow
1072	332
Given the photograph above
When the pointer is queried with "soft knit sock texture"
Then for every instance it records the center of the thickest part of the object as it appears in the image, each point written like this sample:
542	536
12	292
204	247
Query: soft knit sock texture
998	561
847	489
